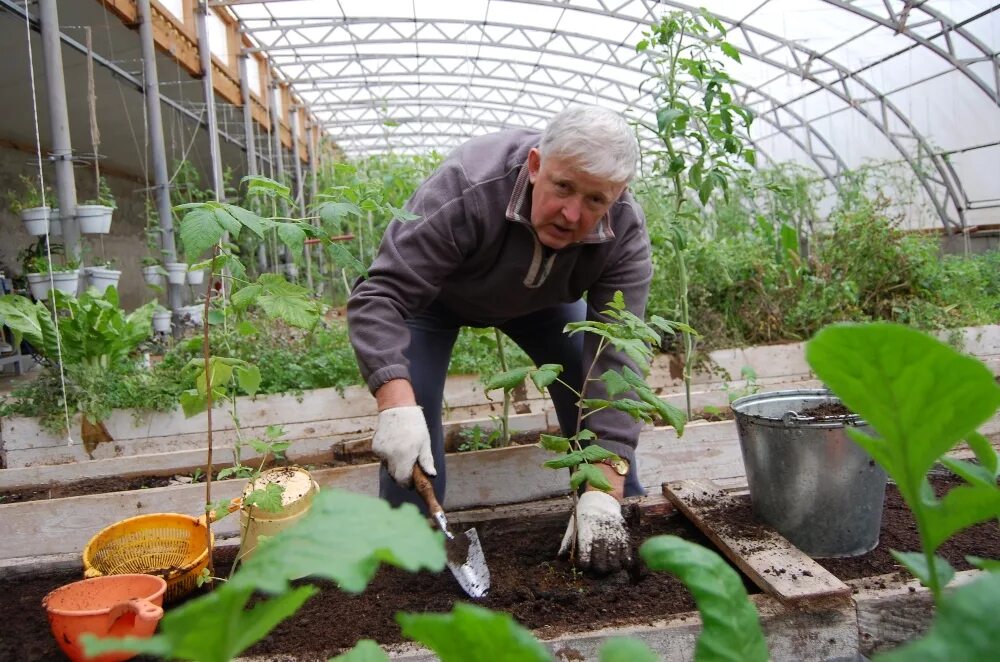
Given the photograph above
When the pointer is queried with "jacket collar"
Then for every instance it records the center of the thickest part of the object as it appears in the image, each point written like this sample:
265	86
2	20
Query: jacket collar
519	210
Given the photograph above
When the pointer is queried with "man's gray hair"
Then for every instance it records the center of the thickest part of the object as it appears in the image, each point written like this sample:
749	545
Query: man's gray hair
598	139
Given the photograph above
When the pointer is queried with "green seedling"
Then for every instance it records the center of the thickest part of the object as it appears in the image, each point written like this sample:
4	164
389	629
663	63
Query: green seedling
923	398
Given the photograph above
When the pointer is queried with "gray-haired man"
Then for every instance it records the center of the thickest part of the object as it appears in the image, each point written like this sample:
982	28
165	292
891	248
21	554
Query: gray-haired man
514	229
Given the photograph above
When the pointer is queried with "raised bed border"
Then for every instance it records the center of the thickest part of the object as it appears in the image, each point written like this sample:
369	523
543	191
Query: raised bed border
326	415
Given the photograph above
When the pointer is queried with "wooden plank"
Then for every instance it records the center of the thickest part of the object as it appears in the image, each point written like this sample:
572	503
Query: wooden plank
824	631
774	564
900	613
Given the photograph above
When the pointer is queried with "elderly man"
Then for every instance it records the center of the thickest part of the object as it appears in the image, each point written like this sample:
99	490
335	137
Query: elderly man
514	230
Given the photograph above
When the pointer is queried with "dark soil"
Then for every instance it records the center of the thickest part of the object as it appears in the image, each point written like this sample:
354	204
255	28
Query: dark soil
899	532
528	582
827	410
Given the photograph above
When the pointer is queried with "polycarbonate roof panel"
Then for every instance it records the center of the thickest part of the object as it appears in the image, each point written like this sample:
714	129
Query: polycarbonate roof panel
835	83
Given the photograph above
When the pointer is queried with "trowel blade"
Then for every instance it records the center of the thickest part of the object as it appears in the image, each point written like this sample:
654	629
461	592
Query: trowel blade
468	563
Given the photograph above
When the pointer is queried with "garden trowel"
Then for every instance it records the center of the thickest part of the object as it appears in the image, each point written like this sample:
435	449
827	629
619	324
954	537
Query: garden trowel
465	553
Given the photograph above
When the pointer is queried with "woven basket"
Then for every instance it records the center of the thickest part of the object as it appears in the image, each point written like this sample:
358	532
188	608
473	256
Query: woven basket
168	545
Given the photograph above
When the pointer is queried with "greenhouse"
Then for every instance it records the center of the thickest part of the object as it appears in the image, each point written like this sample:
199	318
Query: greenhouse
500	330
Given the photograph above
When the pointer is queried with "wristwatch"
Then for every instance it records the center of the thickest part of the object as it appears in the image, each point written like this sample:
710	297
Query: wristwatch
620	465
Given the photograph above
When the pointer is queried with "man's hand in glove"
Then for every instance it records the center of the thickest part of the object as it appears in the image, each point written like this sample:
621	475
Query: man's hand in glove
602	541
401	440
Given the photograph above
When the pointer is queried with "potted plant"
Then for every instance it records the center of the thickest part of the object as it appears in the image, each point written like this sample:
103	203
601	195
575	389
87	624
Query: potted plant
29	205
102	275
44	275
176	272
94	216
161	320
153	272
196	277
96	338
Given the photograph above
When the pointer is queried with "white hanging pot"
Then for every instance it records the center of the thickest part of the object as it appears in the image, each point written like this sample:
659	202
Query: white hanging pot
191	315
102	278
94	219
153	275
39	285
196	277
67	282
36	220
161	321
176	272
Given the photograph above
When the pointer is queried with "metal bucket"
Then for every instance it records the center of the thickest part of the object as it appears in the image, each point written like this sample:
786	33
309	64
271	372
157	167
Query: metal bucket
807	478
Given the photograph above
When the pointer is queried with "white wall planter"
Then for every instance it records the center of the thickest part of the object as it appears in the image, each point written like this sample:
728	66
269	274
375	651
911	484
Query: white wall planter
153	274
161	321
176	272
192	314
39	285
196	277
67	282
36	220
102	278
94	219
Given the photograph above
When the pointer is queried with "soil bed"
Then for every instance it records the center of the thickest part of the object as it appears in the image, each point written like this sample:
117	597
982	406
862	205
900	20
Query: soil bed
528	582
899	532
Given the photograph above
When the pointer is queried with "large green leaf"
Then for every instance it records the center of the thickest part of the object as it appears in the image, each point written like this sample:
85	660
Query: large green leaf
200	230
343	259
24	319
292	236
965	628
553	443
508	380
590	474
962	507
473	634
366	650
344	537
919	394
545	375
247	219
731	625
213	628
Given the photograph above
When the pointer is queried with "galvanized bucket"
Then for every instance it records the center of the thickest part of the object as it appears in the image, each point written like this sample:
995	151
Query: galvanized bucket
807	478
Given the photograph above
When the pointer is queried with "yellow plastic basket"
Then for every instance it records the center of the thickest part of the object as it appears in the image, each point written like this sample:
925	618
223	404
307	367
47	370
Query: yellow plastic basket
168	545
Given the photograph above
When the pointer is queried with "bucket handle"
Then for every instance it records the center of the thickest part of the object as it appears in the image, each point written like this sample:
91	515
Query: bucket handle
143	609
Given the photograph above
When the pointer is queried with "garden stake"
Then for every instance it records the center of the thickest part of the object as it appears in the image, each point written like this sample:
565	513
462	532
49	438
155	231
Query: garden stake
465	553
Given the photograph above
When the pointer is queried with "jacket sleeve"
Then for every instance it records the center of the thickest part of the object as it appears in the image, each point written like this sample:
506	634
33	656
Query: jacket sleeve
413	261
630	271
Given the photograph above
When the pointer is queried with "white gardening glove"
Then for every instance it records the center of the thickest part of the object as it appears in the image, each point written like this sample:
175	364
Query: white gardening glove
602	541
401	440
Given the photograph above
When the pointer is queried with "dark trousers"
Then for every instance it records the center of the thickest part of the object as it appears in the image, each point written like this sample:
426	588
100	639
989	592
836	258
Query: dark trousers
432	337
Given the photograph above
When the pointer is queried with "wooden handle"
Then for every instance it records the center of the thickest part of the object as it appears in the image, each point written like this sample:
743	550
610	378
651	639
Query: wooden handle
422	484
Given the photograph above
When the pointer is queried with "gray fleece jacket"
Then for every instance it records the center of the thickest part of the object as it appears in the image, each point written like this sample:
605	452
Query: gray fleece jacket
474	250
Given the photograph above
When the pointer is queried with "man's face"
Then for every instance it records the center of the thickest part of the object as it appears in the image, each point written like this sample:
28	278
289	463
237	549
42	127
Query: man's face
566	202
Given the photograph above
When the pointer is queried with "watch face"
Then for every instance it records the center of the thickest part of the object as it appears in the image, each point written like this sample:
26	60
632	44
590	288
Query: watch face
620	467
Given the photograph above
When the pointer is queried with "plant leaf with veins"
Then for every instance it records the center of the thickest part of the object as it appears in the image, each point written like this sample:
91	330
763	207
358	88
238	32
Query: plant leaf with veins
731	626
473	634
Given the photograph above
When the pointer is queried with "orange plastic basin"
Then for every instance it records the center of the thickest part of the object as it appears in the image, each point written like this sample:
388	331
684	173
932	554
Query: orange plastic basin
111	606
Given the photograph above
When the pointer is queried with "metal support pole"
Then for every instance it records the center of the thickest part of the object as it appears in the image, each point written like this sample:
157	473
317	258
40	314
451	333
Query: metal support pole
277	157
313	197
300	189
62	145
158	150
248	128
205	57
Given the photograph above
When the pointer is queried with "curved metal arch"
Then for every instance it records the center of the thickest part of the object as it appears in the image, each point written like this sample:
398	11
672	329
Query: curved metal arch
902	25
410	29
766	117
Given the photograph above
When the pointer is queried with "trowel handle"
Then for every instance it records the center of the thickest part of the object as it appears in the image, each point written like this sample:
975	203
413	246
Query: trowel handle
422	484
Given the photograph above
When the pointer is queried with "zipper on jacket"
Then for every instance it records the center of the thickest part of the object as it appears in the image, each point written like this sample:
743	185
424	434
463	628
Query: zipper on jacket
541	264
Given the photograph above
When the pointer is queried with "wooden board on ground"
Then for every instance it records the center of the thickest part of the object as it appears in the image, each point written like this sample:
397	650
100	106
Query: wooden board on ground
774	564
